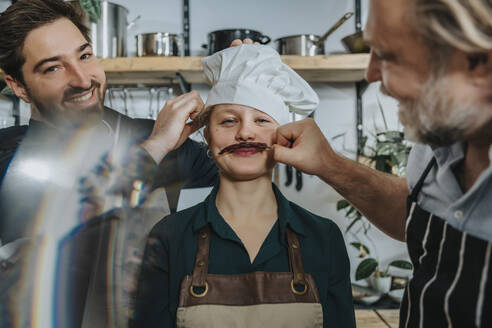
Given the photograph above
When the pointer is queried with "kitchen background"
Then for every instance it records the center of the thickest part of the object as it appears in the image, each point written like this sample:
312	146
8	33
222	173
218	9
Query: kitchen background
336	114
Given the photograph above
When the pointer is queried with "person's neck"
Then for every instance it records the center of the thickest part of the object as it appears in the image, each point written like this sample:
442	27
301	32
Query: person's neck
244	201
67	124
476	161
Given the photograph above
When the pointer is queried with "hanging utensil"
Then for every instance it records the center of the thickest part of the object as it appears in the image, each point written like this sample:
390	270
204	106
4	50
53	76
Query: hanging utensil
151	99
298	180
288	174
125	100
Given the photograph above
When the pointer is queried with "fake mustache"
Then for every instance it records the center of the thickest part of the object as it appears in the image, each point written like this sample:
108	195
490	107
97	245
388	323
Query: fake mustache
232	148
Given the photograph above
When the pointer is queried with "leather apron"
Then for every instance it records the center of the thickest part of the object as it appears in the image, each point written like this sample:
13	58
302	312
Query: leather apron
452	279
257	299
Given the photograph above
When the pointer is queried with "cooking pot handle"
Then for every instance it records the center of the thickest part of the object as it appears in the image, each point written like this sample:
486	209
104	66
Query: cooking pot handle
130	25
265	39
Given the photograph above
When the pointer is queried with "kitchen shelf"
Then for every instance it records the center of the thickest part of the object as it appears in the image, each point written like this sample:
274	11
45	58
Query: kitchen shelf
160	70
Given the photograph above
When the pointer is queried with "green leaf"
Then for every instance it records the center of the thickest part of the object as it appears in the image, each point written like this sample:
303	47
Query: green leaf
402	264
386	148
392	136
92	8
7	91
363	142
341	204
359	245
366	268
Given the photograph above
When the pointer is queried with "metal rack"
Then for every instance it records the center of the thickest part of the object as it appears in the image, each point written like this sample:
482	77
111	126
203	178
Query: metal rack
360	88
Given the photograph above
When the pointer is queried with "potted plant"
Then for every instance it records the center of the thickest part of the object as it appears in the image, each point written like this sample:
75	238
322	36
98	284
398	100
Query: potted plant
389	153
370	269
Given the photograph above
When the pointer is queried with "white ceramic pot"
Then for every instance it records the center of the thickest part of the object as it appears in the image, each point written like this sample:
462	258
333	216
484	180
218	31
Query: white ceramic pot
381	284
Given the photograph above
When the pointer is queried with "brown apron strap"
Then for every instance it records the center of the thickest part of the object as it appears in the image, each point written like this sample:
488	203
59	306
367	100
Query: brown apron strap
295	258
202	258
200	270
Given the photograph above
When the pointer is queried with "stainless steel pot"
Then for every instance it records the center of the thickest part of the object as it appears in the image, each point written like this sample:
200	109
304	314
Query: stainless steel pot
109	33
308	44
158	44
302	45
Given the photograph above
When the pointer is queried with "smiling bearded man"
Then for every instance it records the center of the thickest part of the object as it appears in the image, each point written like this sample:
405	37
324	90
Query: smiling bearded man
57	185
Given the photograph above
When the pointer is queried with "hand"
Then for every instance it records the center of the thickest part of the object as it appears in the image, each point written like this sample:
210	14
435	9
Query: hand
302	145
170	129
238	42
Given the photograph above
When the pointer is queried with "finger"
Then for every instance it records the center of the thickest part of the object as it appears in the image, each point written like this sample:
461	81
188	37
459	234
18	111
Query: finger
191	104
236	43
287	134
247	41
284	155
188	130
196	124
256	42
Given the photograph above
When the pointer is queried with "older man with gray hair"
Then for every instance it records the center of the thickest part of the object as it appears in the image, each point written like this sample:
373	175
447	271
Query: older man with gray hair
435	58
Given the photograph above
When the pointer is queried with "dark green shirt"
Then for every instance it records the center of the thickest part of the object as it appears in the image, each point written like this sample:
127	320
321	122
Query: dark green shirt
172	245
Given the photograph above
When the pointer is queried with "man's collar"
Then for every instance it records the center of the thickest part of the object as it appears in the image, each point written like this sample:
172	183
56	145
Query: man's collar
286	215
449	155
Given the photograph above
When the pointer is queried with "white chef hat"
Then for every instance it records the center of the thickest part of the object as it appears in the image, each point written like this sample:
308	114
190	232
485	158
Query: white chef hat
255	76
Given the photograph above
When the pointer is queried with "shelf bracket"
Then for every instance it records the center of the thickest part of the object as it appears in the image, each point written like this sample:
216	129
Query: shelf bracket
186	27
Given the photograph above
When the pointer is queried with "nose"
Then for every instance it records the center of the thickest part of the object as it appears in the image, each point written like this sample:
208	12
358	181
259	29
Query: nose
245	132
79	77
373	71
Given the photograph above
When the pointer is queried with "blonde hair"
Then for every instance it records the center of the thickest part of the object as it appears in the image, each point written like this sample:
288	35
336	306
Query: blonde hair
461	24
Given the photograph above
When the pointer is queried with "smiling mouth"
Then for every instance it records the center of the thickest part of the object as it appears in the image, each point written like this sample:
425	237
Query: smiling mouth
83	98
253	147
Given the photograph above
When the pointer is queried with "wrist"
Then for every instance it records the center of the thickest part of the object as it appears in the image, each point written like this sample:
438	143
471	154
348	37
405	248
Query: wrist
157	150
332	165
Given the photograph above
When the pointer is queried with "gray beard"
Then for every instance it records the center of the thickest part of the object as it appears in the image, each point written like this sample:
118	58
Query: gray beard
438	119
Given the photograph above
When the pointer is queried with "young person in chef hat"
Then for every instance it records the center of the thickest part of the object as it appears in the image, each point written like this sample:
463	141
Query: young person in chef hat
246	256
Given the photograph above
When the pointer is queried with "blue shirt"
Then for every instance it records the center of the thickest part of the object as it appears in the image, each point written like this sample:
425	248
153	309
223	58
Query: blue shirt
172	245
441	194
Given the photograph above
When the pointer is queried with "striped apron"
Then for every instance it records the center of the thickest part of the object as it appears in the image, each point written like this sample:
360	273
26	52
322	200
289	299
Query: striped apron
452	280
257	299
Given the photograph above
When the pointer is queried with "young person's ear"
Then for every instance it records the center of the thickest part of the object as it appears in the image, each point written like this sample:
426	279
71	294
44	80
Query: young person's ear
18	88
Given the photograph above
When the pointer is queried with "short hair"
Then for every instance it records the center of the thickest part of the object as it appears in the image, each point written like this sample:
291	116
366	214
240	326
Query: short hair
459	24
25	16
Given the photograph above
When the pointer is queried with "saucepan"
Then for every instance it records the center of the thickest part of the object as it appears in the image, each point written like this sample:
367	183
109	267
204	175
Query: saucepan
307	44
355	43
159	44
221	39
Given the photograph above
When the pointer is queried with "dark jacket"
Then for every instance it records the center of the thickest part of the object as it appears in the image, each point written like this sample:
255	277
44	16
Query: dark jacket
85	255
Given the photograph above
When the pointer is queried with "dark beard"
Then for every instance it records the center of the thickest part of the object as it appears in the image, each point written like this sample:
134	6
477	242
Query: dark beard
70	118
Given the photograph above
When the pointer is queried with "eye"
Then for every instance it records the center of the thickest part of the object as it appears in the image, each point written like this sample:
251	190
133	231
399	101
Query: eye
51	69
262	120
385	56
227	121
86	56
